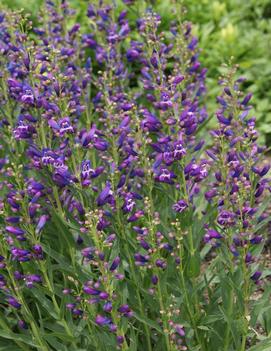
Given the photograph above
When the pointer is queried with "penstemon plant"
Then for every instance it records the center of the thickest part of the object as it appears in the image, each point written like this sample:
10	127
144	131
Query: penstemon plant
126	223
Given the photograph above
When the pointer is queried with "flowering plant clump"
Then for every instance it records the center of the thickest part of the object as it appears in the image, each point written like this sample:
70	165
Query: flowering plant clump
125	223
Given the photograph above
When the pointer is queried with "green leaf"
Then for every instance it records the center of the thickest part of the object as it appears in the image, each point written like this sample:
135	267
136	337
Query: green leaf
18	337
54	343
203	327
133	340
193	267
212	318
149	322
9	347
262	346
44	302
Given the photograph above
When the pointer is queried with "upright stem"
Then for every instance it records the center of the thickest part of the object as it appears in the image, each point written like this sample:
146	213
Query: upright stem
192	256
131	265
161	303
186	296
160	294
245	291
63	322
127	252
229	313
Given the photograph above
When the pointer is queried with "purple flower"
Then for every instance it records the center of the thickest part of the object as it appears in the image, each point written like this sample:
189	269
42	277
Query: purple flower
178	79
22	324
120	339
15	230
31	279
102	320
154	279
13	302
24	131
246	99
103	295
180	206
179	329
210	194
86	170
65	126
141	260
256	276
41	223
256	240
115	264
13	219
27	97
261	172
125	310
210	235
150	122
20	254
160	263
91	291
105	196
132	54
107	307
226	218
165	176
179	151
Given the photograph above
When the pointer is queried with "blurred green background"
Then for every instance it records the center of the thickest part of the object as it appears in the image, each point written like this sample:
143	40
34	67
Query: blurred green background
228	28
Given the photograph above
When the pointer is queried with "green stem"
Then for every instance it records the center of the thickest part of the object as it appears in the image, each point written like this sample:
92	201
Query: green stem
131	264
43	135
63	322
245	291
187	301
56	196
127	252
229	313
191	254
162	308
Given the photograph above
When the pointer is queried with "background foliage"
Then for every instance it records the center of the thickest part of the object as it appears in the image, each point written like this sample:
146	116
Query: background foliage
230	28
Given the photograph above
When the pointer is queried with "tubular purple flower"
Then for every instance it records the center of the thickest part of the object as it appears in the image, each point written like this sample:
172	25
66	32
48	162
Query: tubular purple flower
91	291
154	279
120	339
41	223
209	195
124	308
141	260
13	302
115	264
210	235
102	320
180	206
103	295
107	307
256	276
160	263
165	176
15	230
105	196
256	240
246	99
22	324
179	329
226	218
